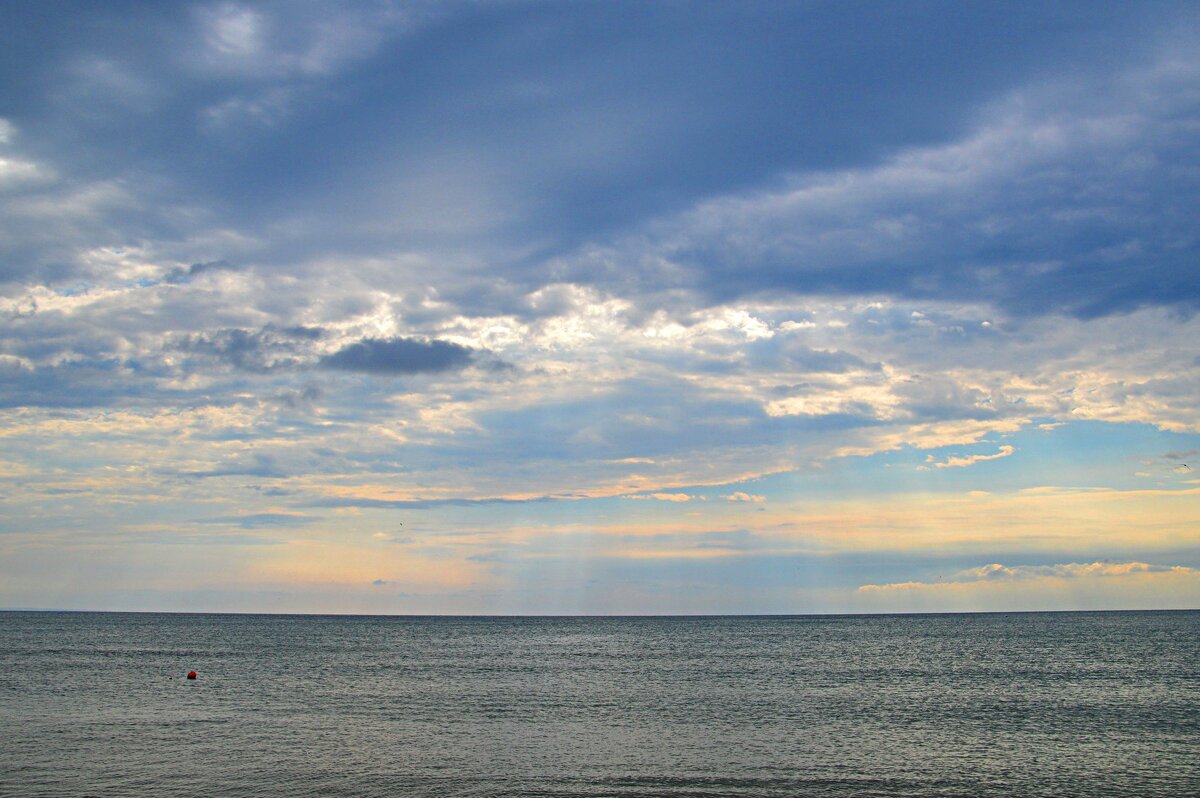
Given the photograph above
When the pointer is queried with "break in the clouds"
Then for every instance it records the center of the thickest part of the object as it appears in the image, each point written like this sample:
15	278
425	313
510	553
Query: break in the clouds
620	307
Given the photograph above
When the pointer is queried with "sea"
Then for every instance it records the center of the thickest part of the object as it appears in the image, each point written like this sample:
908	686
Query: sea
1022	704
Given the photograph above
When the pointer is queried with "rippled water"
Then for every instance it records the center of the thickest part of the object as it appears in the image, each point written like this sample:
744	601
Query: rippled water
937	705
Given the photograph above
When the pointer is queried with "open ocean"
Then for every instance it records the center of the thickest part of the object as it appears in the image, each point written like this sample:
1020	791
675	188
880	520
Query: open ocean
1023	704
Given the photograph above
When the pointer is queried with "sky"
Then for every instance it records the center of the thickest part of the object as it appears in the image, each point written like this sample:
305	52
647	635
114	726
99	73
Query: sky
599	308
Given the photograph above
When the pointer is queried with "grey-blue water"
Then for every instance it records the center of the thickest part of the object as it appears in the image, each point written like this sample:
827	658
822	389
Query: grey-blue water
1063	704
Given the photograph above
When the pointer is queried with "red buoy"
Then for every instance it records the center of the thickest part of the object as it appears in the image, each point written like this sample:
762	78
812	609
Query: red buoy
191	674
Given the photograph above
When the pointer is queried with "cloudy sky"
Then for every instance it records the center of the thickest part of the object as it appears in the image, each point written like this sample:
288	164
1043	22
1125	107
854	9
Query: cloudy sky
612	307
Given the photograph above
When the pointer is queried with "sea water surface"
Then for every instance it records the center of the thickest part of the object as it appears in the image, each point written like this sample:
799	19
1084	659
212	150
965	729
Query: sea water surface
1039	704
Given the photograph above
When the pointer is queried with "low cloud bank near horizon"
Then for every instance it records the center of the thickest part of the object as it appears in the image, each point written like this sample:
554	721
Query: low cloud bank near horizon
995	572
1081	586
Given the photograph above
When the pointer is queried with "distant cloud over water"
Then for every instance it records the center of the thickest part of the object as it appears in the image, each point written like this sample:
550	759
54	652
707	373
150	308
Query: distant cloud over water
1102	584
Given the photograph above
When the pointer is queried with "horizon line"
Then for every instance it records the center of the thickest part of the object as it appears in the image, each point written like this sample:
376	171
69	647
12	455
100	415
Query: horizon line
483	616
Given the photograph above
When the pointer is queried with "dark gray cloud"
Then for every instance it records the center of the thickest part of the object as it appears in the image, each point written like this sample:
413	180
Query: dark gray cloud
125	121
1062	198
262	350
180	275
399	356
298	398
93	382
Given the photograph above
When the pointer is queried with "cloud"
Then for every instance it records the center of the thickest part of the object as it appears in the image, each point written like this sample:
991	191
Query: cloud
425	504
260	350
1095	585
260	520
180	274
1031	210
237	113
965	461
258	464
234	31
264	42
208	213
399	356
995	572
14	172
663	497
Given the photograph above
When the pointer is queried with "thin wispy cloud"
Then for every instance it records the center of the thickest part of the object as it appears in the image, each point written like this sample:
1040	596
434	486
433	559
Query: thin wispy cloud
965	461
996	572
1104	584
